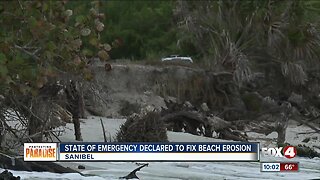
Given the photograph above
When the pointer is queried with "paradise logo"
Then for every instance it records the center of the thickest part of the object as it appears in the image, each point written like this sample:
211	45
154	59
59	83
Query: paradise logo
40	151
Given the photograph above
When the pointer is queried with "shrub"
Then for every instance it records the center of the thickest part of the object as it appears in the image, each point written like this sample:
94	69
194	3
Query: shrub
146	128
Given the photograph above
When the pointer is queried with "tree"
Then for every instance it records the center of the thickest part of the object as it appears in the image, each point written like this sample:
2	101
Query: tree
141	29
42	43
279	39
240	35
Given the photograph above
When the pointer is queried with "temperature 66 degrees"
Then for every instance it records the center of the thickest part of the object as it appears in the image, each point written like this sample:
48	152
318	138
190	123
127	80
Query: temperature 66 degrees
289	167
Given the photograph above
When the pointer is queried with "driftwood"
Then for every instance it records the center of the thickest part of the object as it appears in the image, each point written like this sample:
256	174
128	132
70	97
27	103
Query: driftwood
190	121
279	125
9	162
193	122
308	124
217	124
17	163
229	134
132	174
7	175
173	107
184	114
263	127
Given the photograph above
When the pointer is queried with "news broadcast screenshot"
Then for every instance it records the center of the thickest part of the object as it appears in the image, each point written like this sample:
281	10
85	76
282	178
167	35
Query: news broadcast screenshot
159	89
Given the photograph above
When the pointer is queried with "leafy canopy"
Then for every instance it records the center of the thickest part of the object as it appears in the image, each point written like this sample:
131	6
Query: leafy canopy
39	40
239	36
142	29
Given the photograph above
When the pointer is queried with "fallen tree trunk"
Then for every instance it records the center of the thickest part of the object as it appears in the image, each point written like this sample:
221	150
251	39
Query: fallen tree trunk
193	122
189	121
307	124
17	163
132	174
195	116
232	135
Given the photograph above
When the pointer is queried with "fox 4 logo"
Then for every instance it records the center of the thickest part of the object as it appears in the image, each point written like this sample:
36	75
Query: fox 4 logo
288	152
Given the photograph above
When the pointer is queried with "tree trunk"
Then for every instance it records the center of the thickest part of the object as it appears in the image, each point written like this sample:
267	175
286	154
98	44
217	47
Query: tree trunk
74	98
35	129
2	128
81	103
77	129
39	118
281	128
281	136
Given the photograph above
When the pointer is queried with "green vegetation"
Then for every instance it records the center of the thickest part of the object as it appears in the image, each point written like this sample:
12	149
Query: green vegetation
45	47
141	29
246	36
41	39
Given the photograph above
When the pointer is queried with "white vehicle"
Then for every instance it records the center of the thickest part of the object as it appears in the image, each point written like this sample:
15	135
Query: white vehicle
173	58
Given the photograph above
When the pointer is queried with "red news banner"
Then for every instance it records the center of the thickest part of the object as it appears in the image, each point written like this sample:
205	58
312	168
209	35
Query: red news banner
279	167
289	166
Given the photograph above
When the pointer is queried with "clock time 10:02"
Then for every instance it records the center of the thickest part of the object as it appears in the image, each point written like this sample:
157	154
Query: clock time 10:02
279	166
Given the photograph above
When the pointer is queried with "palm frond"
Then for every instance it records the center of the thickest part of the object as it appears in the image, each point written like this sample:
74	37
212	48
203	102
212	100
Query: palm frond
294	72
309	45
242	72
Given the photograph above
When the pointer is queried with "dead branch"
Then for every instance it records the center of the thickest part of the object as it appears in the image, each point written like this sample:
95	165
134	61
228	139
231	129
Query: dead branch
133	174
55	136
33	55
97	94
103	131
14	133
307	124
312	132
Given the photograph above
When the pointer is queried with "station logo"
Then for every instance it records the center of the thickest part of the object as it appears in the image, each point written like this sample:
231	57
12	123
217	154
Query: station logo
40	151
288	152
